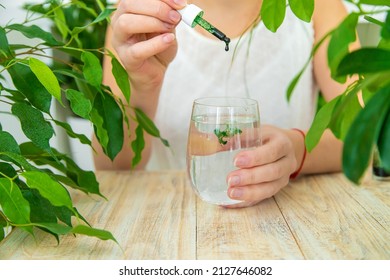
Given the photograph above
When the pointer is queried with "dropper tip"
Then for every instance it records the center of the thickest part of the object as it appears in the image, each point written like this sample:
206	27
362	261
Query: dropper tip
227	41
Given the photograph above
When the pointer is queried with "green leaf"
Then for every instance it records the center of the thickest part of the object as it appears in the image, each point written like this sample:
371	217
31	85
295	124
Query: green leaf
65	215
18	160
8	143
273	13
126	119
15	207
66	180
7	170
81	83
363	61
346	110
89	231
81	137
362	135
121	78
75	74
86	180
48	188
112	117
102	16
320	123
138	145
105	14
28	84
92	69
147	124
373	20
295	81
303	9
60	21
40	157
55	228
80	105
41	208
84	6
385	32
100	131
46	77
384	142
376	81
75	176
34	125
5	51
15	96
34	31
3	224
342	36
89	91
375	2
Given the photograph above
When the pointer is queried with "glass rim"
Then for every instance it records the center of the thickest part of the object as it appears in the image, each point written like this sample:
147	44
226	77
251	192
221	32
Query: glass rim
204	101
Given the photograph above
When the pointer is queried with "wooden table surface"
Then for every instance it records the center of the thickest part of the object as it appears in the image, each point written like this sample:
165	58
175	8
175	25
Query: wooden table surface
157	216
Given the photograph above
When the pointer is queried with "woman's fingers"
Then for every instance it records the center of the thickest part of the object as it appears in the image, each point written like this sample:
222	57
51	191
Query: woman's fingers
142	50
134	46
260	174
165	10
137	17
258	192
143	36
273	148
263	171
127	25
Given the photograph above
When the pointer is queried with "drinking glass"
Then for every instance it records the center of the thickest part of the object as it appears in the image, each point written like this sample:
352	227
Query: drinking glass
220	127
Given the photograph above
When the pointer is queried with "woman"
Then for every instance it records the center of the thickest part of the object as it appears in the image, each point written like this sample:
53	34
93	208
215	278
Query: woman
170	65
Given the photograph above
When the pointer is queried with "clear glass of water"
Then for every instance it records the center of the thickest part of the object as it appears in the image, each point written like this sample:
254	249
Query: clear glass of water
220	128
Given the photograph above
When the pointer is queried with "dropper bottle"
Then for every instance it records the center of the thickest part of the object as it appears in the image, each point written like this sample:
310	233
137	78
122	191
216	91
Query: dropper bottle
192	15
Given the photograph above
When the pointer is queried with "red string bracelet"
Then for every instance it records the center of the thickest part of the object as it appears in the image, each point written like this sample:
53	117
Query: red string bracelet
296	173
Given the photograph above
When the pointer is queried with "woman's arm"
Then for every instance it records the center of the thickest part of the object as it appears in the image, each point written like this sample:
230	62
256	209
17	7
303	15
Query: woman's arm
326	156
142	36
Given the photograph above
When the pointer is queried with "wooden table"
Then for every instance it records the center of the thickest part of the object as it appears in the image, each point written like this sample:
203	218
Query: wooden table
157	216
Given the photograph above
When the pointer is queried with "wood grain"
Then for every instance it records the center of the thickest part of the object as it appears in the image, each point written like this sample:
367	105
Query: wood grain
150	216
329	223
258	232
156	215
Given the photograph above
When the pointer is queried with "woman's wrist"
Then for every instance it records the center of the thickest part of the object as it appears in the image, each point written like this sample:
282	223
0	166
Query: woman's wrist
145	99
297	137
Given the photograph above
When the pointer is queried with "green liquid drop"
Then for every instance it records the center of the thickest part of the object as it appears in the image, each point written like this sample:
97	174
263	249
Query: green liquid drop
227	41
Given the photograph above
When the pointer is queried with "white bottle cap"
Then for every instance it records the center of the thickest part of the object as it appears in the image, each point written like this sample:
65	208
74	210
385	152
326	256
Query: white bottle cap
189	13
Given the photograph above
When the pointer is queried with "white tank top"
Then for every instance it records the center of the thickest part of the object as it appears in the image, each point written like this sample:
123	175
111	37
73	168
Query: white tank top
263	66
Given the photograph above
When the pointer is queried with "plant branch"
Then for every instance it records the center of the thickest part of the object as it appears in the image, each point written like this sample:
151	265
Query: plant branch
5	217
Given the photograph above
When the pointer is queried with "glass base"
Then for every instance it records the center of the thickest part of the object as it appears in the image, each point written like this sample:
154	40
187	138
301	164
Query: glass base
380	174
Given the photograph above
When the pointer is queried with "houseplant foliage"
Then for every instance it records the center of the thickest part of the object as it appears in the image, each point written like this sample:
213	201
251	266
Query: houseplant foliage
36	179
361	126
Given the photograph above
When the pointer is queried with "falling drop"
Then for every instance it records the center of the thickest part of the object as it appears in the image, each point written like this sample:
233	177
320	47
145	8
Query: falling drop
227	41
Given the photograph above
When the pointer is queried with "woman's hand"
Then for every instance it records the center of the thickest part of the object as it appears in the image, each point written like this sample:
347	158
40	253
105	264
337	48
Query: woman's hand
264	171
144	39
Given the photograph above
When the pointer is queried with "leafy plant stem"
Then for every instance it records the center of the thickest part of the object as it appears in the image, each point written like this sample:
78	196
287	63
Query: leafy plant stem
9	178
8	103
4	217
